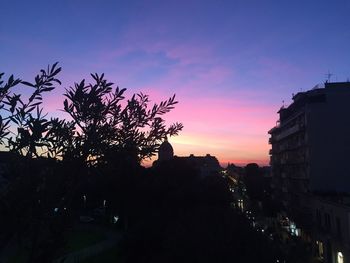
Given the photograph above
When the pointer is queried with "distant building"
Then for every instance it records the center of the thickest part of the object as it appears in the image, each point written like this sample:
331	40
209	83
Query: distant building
165	151
205	165
234	171
311	143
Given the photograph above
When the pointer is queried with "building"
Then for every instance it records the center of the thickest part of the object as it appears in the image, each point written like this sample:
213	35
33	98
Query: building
311	143
310	167
205	165
165	151
331	229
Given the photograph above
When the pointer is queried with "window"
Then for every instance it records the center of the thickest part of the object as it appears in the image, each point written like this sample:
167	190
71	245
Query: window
319	249
318	218
327	221
337	221
340	257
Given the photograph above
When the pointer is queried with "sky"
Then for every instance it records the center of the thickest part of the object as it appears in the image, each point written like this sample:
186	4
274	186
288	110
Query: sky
232	64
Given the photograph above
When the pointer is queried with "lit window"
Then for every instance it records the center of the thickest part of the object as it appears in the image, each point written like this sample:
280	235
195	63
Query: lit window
320	248
115	219
240	204
340	257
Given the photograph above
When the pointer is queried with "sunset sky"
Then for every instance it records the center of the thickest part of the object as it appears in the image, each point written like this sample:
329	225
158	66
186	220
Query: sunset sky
230	63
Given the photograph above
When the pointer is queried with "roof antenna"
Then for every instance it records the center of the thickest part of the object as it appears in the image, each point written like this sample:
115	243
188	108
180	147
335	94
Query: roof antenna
328	77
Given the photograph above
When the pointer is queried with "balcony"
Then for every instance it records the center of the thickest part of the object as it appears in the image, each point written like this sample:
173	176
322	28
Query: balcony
298	175
275	128
296	145
299	159
287	132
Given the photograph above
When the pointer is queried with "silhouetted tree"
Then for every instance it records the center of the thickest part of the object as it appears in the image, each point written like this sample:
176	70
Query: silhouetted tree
104	140
106	126
23	130
4	93
112	136
25	115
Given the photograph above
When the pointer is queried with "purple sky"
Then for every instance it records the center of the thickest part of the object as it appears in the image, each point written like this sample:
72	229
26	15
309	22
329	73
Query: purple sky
230	63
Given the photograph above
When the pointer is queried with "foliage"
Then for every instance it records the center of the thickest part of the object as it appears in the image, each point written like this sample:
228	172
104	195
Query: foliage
4	93
105	126
28	123
99	125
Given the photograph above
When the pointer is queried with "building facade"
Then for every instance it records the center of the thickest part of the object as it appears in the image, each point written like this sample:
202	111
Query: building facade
310	157
206	165
311	143
331	230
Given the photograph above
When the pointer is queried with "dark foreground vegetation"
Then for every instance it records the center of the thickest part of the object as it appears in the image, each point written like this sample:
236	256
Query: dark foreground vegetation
61	173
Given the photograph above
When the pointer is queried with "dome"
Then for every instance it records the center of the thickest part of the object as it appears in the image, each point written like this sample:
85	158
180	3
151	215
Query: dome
165	151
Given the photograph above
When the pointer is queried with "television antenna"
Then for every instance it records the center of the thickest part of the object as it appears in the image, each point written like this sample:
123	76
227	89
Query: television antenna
328	76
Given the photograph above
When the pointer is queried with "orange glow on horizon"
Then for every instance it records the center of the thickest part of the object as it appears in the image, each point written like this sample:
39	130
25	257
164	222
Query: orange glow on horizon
185	145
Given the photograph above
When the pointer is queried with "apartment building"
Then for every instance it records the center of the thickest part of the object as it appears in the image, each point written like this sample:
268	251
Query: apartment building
311	144
331	228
